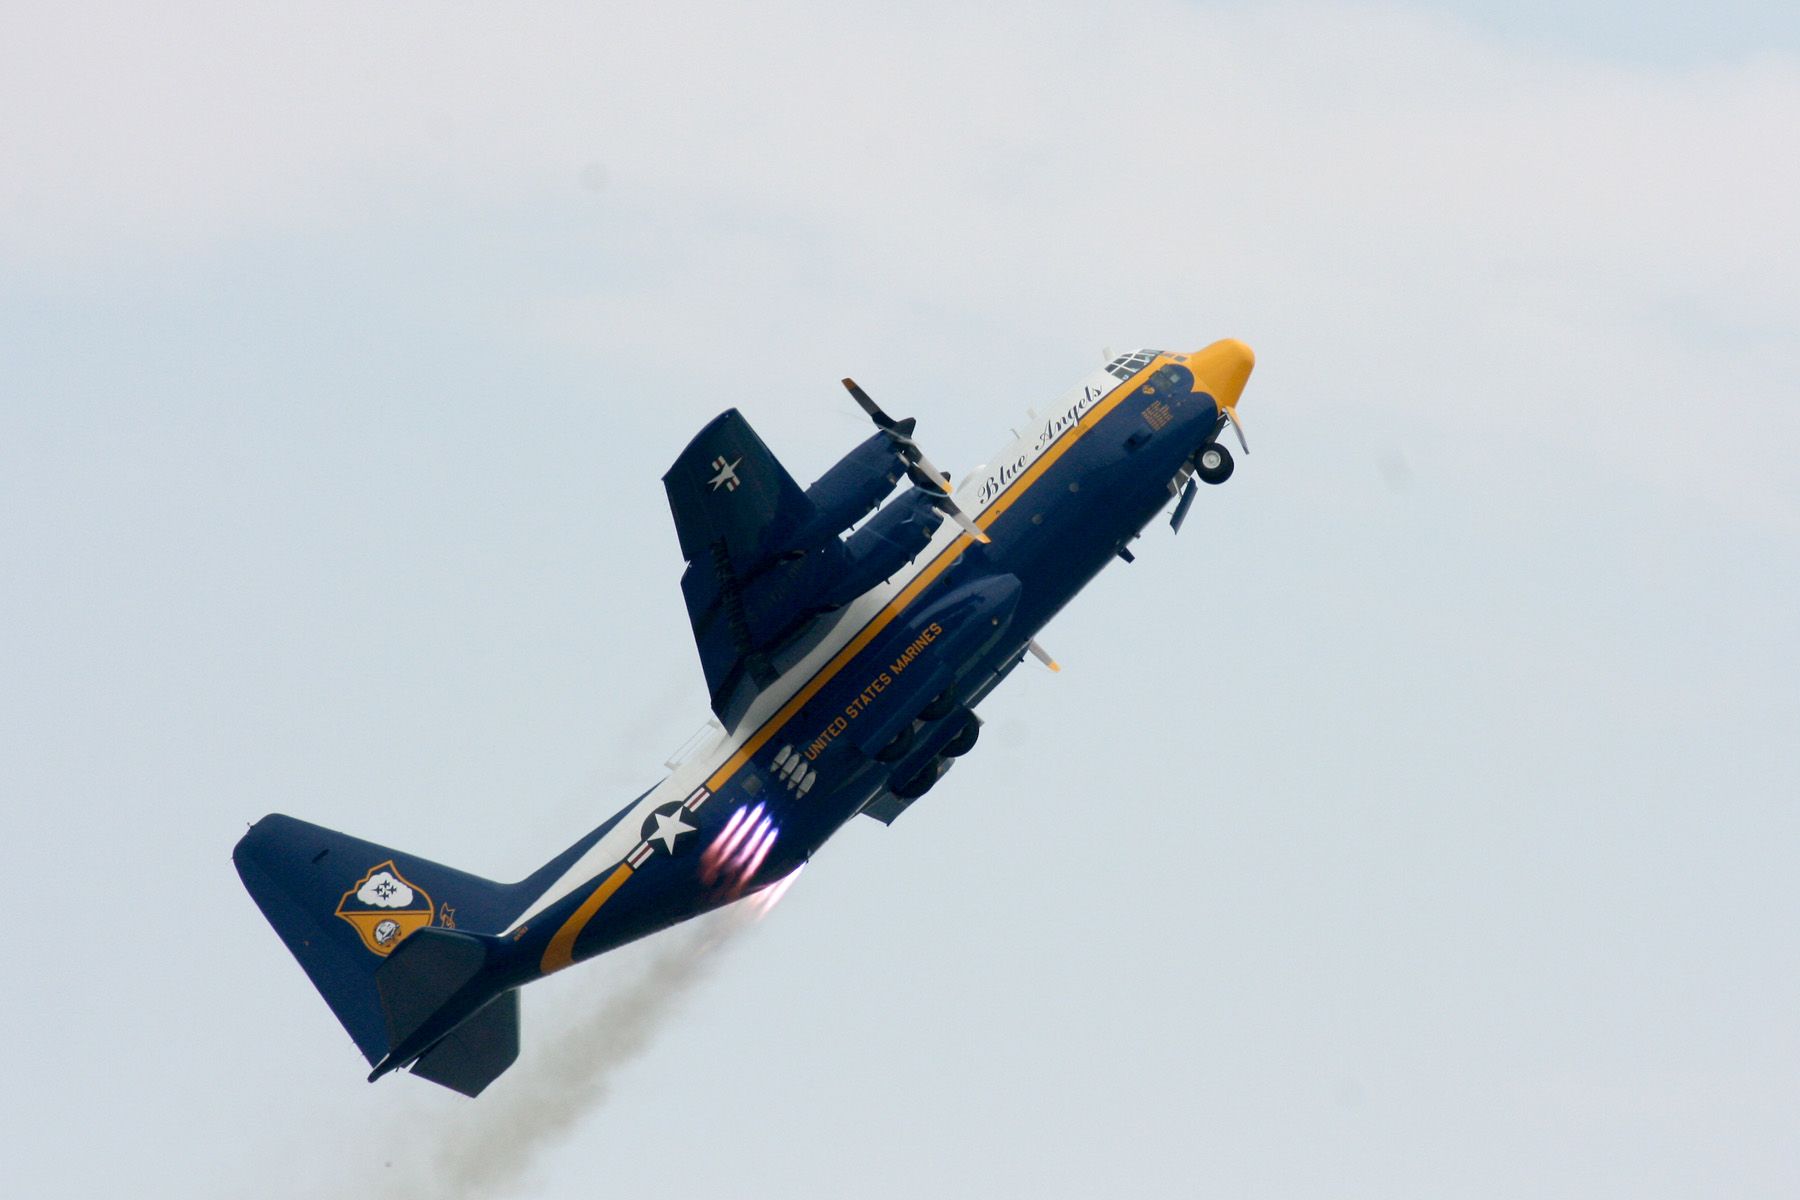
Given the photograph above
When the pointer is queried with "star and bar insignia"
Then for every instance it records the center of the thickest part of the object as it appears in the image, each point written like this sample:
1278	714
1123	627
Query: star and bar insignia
668	828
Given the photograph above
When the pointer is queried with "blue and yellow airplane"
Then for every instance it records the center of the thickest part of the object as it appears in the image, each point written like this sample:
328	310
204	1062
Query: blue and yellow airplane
844	657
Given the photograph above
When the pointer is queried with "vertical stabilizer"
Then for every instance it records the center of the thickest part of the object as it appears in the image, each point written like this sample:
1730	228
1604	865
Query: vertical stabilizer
343	906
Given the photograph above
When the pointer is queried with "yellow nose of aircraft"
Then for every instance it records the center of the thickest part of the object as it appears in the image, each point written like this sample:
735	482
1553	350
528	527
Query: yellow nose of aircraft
1222	369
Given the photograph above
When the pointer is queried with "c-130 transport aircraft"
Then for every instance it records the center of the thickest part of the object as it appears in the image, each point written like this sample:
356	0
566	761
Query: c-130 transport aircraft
843	670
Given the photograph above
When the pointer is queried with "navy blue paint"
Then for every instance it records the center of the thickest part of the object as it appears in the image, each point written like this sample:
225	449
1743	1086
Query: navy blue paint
1054	537
297	872
1120	482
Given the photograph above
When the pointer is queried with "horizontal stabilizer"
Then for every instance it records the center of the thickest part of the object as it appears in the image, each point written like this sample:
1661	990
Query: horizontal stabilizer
432	996
475	1053
423	975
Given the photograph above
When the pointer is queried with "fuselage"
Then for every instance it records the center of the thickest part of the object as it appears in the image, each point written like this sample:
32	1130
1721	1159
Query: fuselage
872	698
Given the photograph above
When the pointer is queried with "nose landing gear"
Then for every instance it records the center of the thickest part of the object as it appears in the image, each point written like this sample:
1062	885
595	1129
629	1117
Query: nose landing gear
1213	464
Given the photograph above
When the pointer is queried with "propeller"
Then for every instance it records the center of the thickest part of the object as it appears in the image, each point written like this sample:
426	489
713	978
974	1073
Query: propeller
919	469
945	504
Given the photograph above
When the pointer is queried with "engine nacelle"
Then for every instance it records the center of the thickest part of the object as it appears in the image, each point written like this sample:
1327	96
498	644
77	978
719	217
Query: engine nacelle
887	543
819	580
849	491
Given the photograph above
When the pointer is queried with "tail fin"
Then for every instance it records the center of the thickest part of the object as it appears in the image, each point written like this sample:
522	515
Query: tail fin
343	905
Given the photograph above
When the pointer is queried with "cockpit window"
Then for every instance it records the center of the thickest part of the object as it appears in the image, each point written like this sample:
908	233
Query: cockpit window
1127	365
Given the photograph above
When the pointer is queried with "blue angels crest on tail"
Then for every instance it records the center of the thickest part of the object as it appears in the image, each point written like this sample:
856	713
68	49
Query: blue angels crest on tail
383	907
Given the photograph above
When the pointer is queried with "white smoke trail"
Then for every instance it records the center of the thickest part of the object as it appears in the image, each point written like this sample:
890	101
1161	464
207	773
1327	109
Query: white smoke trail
489	1151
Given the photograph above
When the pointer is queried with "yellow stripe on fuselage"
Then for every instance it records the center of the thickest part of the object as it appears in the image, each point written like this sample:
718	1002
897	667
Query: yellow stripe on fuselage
560	952
923	580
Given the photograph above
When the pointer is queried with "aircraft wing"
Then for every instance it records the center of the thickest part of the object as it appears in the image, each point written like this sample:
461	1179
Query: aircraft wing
733	500
736	511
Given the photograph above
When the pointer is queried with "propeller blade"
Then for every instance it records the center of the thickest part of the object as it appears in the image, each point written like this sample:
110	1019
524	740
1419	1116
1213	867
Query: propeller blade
950	508
921	472
969	527
1237	426
900	433
1186	502
874	410
1042	655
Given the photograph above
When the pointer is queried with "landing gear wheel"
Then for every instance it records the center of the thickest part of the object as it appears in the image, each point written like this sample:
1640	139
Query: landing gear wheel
964	741
940	707
1213	464
924	781
897	748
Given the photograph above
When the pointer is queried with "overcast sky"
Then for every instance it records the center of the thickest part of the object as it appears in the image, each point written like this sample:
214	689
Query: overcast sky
1421	823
